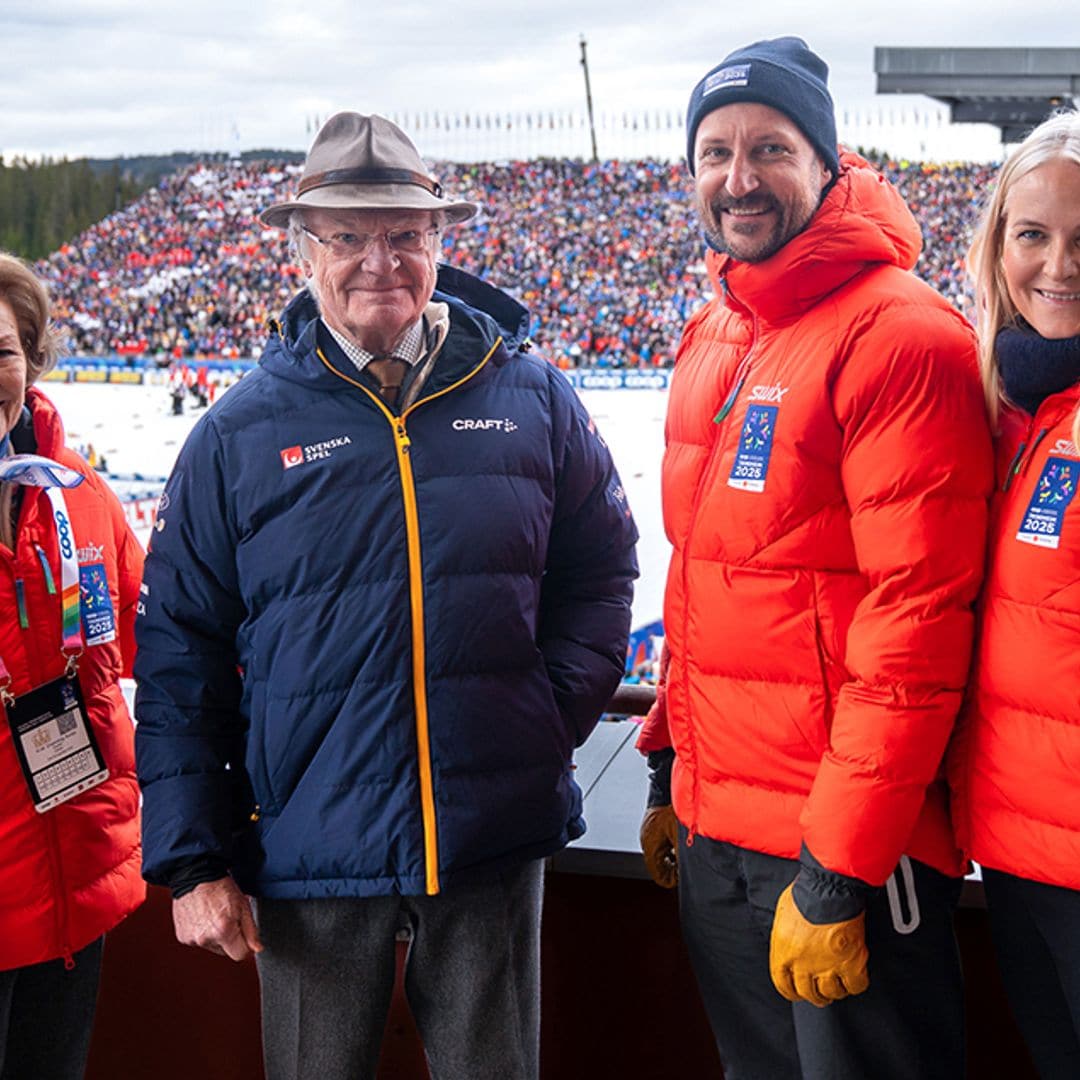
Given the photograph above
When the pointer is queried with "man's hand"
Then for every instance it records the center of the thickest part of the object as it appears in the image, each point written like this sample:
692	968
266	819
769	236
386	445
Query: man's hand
819	964
217	916
660	845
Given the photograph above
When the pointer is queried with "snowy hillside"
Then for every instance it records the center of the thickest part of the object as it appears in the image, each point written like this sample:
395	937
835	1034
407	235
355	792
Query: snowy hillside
132	428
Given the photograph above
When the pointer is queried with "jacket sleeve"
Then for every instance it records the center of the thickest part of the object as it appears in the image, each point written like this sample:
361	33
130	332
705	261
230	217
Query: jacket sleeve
917	472
190	728
129	563
655	734
591	566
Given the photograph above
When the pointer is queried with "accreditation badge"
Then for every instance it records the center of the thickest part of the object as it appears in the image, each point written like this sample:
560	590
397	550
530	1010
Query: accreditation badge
755	448
98	621
55	743
1041	524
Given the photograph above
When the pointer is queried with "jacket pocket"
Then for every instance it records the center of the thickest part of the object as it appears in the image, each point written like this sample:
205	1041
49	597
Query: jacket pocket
256	759
833	673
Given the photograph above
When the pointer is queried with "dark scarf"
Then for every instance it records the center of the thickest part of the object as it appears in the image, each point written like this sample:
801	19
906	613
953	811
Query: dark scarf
1033	367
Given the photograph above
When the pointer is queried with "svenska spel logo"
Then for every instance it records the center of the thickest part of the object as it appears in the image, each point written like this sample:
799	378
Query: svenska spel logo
292	456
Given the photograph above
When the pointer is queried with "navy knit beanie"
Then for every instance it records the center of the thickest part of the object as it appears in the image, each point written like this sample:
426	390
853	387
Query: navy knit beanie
782	73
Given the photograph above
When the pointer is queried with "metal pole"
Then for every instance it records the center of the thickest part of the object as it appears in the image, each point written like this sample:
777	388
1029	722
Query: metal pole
588	99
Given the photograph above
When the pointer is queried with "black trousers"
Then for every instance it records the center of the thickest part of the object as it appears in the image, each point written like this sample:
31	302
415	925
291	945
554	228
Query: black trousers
46	1017
909	1025
1036	929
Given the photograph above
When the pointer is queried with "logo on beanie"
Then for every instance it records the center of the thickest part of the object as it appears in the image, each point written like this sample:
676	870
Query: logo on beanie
736	75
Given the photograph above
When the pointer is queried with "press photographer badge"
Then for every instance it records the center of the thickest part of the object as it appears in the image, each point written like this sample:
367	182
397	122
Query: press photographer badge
1041	524
56	746
755	448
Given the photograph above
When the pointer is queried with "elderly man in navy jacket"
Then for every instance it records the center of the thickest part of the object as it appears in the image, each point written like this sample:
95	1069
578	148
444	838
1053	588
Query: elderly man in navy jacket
387	596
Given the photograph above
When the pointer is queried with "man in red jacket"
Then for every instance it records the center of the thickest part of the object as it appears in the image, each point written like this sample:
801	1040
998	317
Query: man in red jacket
825	479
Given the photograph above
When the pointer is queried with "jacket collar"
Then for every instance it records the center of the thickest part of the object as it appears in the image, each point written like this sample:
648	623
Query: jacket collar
479	316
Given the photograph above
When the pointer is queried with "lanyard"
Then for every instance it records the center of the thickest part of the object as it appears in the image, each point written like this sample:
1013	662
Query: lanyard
35	471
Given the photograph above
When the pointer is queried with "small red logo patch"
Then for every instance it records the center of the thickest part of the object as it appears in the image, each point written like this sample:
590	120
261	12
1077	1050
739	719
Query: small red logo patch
293	455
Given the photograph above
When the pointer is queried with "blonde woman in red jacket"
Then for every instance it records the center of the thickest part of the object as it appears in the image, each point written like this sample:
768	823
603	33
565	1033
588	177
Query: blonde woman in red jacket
1016	763
69	832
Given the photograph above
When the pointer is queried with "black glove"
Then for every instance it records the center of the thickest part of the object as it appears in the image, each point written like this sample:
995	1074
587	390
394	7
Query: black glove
660	762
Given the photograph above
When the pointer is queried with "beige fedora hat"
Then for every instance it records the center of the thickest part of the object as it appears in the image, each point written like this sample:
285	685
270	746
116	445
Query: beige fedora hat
365	163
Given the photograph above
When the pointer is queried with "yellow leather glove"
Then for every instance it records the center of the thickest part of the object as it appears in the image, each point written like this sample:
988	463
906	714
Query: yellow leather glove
660	845
819	964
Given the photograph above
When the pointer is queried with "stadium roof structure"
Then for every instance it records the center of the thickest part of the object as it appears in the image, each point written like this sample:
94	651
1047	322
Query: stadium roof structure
1014	89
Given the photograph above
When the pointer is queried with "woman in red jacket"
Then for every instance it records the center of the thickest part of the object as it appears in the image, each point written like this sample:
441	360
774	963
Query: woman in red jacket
1016	763
69	583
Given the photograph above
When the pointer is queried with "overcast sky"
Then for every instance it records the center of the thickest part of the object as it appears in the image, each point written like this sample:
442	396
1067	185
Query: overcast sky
109	77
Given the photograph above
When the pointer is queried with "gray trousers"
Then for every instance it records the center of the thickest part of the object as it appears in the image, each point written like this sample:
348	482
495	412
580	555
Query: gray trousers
472	979
909	1025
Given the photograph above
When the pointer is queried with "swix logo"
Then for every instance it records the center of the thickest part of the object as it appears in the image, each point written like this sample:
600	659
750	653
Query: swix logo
90	553
299	455
1066	446
466	424
769	393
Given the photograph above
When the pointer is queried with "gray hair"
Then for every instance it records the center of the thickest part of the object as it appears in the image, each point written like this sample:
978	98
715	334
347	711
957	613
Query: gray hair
298	242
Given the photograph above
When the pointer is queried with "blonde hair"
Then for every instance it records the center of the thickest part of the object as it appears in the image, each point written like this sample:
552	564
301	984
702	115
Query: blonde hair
1056	139
29	300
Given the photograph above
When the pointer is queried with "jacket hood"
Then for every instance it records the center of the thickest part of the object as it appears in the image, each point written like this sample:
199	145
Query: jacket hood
862	221
479	315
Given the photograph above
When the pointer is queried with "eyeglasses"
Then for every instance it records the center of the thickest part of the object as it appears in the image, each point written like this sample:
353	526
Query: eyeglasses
353	245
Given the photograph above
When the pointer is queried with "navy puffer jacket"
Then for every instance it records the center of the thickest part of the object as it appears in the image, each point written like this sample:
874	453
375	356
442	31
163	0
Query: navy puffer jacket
368	643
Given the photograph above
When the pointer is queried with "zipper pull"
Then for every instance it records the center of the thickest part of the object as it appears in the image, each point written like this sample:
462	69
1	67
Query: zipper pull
20	599
1021	460
1014	466
403	437
1034	446
50	584
730	402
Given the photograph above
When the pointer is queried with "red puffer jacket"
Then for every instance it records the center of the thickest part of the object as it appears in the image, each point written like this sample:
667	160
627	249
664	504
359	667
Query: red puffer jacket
1015	766
825	481
71	874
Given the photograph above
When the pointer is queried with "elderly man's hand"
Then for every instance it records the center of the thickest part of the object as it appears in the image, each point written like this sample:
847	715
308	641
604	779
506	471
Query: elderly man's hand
217	916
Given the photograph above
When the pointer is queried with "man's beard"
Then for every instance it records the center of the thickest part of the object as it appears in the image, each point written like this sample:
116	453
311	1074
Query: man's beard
753	249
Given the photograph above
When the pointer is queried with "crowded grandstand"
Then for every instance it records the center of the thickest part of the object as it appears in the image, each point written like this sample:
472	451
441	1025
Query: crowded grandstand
607	256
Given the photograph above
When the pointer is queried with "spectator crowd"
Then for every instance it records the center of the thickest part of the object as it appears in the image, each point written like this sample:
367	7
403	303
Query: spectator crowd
606	256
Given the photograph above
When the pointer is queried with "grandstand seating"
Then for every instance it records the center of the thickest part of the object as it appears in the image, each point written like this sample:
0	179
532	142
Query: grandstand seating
606	256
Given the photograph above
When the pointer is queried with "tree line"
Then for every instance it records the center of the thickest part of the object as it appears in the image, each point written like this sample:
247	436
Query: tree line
44	204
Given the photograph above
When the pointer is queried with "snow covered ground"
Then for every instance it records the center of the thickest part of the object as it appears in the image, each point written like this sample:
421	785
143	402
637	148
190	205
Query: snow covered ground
132	427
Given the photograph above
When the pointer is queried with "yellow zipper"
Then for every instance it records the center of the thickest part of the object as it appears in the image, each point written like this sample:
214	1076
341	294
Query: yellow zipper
416	604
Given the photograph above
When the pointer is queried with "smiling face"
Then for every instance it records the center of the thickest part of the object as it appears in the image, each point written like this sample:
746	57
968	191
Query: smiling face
1040	248
12	369
374	297
759	180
